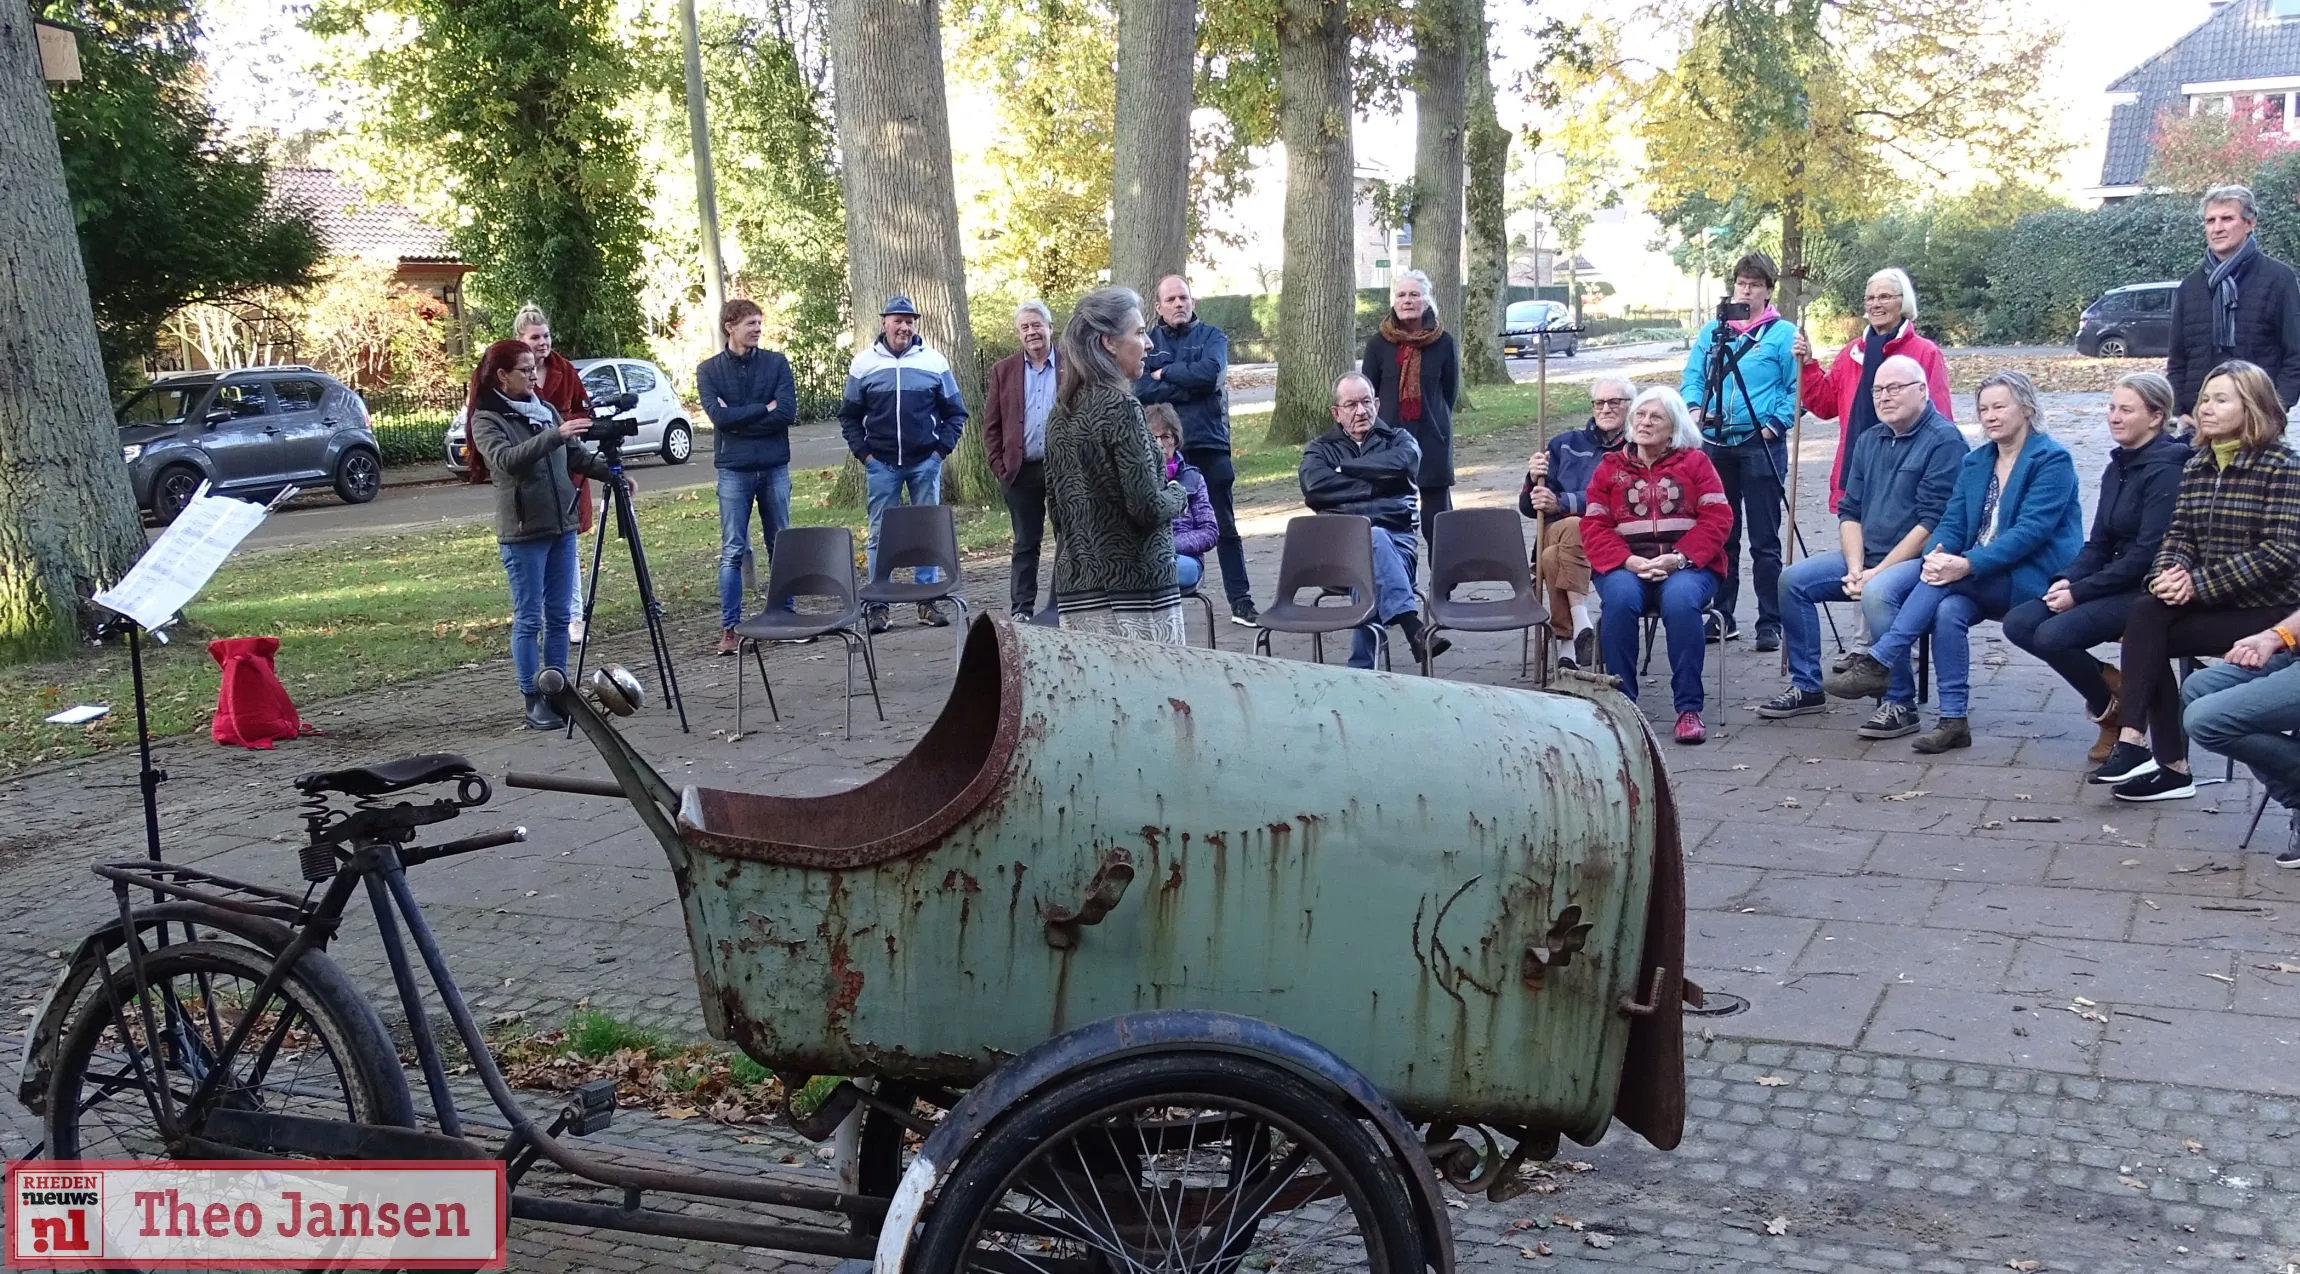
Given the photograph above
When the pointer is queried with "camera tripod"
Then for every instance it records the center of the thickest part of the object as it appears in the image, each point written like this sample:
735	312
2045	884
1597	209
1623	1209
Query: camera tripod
1723	363
625	520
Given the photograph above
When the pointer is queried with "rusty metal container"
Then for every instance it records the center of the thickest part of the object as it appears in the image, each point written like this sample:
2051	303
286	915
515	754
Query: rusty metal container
1471	893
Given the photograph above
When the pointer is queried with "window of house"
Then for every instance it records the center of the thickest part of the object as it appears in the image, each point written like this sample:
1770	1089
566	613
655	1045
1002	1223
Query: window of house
2271	110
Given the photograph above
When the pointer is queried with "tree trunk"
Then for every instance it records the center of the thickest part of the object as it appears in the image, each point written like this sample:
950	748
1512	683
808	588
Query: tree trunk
1150	196
1792	303
901	208
1486	242
1317	303
1439	107
68	523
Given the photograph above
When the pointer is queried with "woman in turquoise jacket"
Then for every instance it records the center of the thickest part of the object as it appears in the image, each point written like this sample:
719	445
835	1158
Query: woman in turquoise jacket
2012	523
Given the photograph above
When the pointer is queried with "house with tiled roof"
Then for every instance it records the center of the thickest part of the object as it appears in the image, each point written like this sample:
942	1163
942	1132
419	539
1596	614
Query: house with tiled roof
2245	58
352	225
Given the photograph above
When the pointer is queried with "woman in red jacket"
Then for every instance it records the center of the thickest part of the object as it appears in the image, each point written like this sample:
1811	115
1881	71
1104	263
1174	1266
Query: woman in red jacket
1842	392
1654	530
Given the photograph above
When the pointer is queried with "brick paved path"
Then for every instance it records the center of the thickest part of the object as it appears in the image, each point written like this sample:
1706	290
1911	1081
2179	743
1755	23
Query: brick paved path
1910	965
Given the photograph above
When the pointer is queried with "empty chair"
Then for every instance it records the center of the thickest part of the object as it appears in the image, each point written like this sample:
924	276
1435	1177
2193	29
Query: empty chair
1324	551
810	562
918	535
1483	546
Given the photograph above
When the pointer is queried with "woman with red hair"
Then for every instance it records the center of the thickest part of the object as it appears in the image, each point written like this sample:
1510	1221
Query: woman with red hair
533	454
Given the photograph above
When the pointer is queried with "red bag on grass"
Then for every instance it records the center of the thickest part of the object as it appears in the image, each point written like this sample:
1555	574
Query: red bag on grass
252	707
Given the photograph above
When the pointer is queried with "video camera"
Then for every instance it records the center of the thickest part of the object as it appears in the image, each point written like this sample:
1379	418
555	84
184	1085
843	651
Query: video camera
611	422
1727	311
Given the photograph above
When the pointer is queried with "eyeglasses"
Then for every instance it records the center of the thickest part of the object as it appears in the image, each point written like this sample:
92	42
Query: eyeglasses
1883	390
1355	405
1603	404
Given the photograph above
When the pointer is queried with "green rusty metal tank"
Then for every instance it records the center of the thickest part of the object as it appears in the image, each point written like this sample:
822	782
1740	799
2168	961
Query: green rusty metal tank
1470	893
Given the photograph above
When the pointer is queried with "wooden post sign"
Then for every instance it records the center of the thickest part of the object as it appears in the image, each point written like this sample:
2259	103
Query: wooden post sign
59	53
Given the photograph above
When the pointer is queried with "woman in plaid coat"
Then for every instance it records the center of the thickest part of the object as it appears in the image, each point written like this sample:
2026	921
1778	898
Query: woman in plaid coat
2229	567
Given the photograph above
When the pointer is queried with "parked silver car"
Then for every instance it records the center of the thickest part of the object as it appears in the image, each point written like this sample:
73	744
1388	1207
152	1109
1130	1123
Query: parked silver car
247	432
1526	326
662	418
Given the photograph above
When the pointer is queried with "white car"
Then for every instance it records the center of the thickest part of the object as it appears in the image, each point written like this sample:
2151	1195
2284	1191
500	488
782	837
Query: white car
663	426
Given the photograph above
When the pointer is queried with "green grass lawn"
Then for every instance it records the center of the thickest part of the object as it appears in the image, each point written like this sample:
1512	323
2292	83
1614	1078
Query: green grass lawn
370	611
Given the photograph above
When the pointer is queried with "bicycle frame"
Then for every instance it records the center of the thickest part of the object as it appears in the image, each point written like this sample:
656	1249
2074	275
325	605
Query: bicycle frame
378	868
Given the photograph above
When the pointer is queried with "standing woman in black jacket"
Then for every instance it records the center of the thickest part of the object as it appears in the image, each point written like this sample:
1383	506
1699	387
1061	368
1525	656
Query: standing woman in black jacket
1416	372
2087	605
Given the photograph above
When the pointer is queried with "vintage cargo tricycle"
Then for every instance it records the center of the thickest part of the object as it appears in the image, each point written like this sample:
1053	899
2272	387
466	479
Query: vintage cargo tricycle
1142	959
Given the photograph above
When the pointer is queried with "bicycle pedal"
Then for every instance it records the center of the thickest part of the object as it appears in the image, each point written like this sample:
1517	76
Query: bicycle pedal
590	1109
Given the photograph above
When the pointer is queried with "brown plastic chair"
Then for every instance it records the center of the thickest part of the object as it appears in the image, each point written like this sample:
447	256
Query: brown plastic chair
918	535
810	561
1483	546
1324	551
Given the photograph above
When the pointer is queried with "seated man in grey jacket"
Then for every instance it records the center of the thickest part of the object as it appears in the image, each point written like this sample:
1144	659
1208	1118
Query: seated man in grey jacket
1365	467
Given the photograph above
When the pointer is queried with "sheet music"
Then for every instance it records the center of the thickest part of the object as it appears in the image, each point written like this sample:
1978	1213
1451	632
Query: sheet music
182	561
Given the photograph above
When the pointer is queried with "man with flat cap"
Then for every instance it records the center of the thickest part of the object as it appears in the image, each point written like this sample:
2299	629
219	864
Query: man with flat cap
901	415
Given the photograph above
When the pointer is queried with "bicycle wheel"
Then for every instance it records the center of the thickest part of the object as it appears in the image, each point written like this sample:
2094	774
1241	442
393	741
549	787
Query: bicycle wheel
1189	1163
314	1051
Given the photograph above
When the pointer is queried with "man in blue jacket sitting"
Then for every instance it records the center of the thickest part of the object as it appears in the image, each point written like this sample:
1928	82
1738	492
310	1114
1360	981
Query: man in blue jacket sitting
901	415
748	394
1904	470
1741	382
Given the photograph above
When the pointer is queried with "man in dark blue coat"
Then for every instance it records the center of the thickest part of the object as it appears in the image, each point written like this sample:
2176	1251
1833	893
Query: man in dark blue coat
1189	368
749	396
2240	303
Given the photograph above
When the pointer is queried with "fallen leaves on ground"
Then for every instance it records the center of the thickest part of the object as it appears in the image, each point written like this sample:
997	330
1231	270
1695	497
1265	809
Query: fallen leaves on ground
2192	1145
1538	1249
2278	967
1909	795
1778	1226
1563	1221
1772	1081
2025	1267
1791	803
687	1082
1597	1240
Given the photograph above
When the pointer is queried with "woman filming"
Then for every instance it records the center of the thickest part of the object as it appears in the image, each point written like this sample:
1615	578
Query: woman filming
533	455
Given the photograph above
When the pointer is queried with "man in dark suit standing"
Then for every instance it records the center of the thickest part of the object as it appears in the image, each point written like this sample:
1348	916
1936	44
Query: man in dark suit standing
1014	416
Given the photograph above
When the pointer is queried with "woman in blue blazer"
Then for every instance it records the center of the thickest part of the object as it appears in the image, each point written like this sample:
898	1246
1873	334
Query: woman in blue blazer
2012	523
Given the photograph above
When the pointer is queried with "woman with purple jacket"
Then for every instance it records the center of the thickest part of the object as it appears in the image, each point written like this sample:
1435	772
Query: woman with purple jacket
1195	531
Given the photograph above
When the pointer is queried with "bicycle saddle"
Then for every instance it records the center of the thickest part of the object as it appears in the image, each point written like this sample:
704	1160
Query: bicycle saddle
390	776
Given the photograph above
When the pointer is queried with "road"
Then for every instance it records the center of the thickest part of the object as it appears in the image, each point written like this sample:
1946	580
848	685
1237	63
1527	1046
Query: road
1646	359
322	519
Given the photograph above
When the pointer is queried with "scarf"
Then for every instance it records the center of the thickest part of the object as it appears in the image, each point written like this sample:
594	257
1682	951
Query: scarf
1869	353
1410	346
2221	277
533	407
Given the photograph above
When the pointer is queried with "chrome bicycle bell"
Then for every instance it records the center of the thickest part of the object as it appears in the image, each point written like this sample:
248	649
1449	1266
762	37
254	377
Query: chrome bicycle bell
615	689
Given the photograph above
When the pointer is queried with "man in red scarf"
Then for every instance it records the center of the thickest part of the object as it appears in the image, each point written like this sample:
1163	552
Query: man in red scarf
559	384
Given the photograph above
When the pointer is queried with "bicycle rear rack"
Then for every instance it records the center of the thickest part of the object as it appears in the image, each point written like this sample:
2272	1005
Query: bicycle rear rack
216	891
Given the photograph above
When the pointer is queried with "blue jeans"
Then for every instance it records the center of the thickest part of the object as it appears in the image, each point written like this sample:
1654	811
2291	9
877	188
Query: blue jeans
1948	612
1393	590
1821	579
739	489
540	572
885	484
1680	599
2249	714
1188	571
1751	473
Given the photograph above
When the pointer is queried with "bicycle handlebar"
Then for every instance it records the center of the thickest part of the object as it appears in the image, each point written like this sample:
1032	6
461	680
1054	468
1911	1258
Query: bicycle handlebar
554	783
